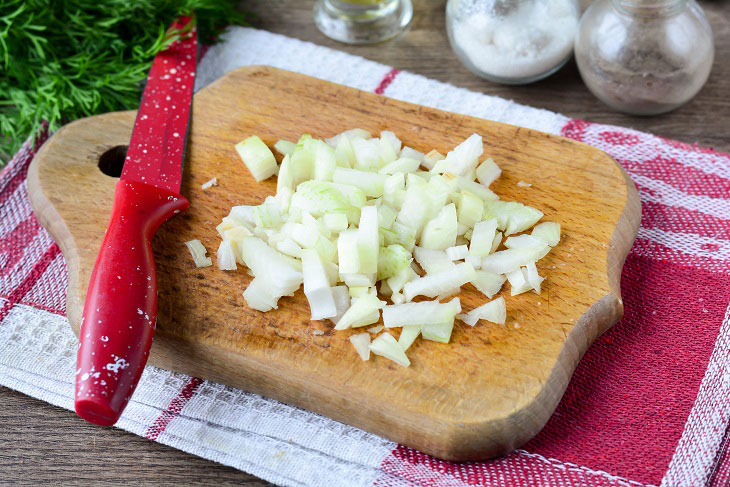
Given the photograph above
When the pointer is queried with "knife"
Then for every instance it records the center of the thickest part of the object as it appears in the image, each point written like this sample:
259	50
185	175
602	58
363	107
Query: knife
120	313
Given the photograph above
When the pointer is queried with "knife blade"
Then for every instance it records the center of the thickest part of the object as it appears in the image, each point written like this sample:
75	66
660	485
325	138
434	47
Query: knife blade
120	312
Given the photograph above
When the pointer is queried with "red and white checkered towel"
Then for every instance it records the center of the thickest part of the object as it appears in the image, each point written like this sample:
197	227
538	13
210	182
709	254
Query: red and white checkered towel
649	403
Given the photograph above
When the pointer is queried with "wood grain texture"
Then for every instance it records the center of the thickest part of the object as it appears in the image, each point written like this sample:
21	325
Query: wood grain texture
61	437
42	444
487	392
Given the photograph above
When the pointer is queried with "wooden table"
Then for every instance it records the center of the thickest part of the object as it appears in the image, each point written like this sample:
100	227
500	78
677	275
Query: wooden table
42	443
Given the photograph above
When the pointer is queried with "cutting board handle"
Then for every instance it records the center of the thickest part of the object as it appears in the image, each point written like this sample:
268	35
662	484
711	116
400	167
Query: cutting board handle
120	313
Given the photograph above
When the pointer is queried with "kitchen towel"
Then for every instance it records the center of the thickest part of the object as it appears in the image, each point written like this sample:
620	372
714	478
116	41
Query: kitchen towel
649	404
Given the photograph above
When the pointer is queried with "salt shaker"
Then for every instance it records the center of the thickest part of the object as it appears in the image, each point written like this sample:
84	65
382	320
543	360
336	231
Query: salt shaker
512	41
644	57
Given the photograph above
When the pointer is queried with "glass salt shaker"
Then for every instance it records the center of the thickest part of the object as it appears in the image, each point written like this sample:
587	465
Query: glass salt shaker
644	57
512	41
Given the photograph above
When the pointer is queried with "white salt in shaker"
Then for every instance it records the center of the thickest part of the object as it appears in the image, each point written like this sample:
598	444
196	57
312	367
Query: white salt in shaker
512	41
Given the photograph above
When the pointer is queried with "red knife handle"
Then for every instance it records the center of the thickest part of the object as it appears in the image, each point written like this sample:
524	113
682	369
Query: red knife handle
120	313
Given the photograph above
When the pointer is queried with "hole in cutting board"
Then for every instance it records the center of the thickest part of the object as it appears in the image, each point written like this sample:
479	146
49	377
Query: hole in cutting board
111	161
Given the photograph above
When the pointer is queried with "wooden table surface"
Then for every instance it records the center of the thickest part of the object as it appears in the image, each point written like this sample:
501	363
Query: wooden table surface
42	443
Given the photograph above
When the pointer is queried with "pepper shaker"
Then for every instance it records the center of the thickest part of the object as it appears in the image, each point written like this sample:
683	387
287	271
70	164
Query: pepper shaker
644	57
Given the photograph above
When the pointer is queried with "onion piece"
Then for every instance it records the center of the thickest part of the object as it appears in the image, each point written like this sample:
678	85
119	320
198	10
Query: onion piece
458	252
342	302
494	311
392	260
533	278
285	147
431	260
361	342
435	284
440	232
226	257
421	313
510	260
372	184
407	336
198	251
482	238
410	153
488	172
518	281
471	208
317	286
463	158
488	283
547	231
257	157
376	329
361	312
368	240
386	346
209	184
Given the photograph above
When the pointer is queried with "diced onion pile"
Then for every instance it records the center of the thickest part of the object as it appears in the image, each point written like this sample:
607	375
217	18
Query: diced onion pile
352	216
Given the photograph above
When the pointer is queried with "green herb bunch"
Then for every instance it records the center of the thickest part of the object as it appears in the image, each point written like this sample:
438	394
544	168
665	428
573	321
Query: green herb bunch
65	59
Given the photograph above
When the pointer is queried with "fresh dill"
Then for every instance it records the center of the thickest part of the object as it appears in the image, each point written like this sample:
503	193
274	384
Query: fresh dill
65	59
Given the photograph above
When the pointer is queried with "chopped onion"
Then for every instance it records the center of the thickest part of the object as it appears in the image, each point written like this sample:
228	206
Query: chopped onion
386	346
440	232
533	278
372	184
422	313
342	302
438	332
351	209
435	284
401	165
257	157
225	256
459	252
548	231
482	238
524	241
391	138
284	147
392	260
335	222
409	153
197	250
463	158
488	283
488	172
258	295
361	342
471	208
432	261
407	336
494	311
510	260
430	159
479	190
367	240
518	282
317	286
209	184
512	217
364	310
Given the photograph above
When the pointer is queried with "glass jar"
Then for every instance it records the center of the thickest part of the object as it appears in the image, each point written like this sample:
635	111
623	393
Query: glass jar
644	57
362	21
512	41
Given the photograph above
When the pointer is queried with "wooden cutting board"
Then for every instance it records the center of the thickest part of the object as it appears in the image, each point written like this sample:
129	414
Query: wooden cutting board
487	392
